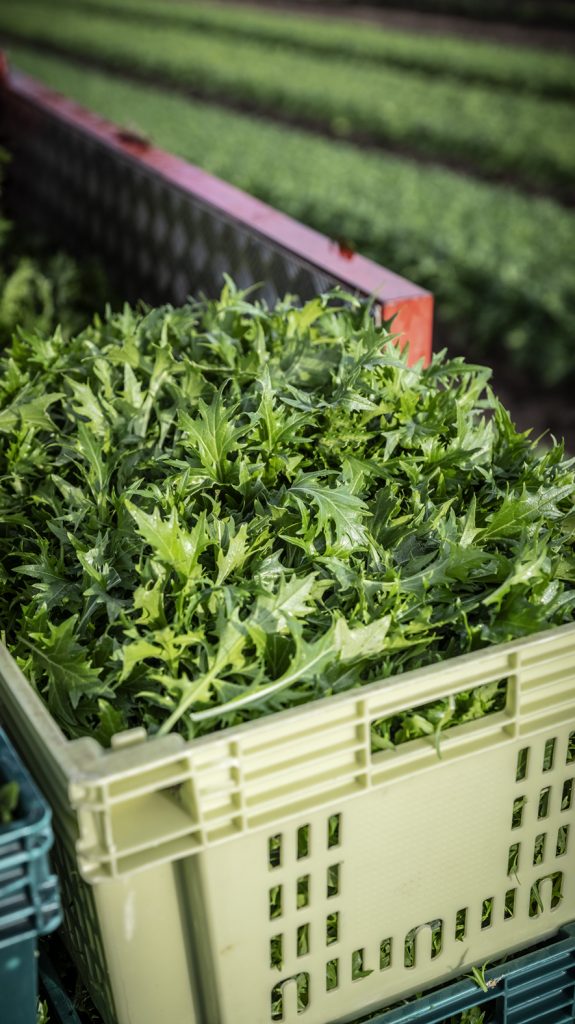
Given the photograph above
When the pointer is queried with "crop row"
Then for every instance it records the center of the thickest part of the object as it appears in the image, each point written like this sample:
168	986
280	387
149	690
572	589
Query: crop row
560	13
494	131
535	71
501	265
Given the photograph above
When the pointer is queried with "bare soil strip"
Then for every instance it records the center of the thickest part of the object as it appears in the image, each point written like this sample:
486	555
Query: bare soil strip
538	37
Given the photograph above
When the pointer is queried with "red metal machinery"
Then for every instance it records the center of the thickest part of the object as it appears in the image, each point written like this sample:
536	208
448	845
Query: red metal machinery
164	228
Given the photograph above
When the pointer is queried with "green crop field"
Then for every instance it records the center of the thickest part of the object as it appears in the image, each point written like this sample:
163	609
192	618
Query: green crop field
559	13
382	139
540	73
480	248
491	128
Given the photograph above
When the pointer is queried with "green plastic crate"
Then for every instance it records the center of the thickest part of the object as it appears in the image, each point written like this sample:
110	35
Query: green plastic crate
29	900
186	865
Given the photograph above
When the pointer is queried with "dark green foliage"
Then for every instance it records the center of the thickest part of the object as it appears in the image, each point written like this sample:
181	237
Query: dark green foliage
39	293
212	513
39	290
9	795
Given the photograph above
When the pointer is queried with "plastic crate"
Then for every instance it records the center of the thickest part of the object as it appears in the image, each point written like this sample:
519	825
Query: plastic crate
29	901
61	1009
538	986
184	864
165	228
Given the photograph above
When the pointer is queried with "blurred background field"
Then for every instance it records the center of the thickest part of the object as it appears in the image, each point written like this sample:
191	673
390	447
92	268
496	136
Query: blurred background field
444	149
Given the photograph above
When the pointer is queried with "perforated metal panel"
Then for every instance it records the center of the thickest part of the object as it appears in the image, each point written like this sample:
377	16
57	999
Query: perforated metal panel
160	241
164	229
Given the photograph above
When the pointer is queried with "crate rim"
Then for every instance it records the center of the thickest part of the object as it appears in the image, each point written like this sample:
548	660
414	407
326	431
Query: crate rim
137	738
391	291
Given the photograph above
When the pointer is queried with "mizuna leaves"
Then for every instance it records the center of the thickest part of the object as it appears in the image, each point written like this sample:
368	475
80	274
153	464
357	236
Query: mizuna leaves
216	512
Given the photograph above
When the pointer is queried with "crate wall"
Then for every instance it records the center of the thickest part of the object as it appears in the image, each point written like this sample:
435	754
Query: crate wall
285	868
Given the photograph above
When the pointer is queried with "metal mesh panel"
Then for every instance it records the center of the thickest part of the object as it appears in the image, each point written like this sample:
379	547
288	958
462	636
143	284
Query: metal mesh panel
155	240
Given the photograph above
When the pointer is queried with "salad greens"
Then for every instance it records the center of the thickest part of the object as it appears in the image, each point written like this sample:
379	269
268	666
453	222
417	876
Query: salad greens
215	512
39	292
40	289
9	796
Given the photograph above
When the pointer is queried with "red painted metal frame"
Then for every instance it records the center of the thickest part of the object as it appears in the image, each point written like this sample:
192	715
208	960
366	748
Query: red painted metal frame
412	306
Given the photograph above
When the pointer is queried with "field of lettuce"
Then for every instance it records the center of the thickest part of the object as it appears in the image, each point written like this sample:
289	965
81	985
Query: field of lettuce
452	163
551	74
558	13
479	248
336	96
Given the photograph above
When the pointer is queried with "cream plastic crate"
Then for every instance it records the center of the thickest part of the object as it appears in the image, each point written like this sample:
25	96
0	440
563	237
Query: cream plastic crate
171	853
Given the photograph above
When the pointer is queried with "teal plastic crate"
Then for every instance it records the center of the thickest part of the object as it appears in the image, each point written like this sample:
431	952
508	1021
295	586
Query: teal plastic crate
29	899
61	1009
535	988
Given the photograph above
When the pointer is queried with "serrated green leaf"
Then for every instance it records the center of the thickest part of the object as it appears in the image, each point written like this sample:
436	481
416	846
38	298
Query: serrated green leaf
65	662
234	556
170	541
337	508
212	435
361	641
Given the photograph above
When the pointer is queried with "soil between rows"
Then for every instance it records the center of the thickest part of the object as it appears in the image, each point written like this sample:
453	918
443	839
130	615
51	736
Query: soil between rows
538	37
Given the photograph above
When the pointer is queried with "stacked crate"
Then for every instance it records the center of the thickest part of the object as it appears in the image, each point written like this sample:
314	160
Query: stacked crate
29	900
